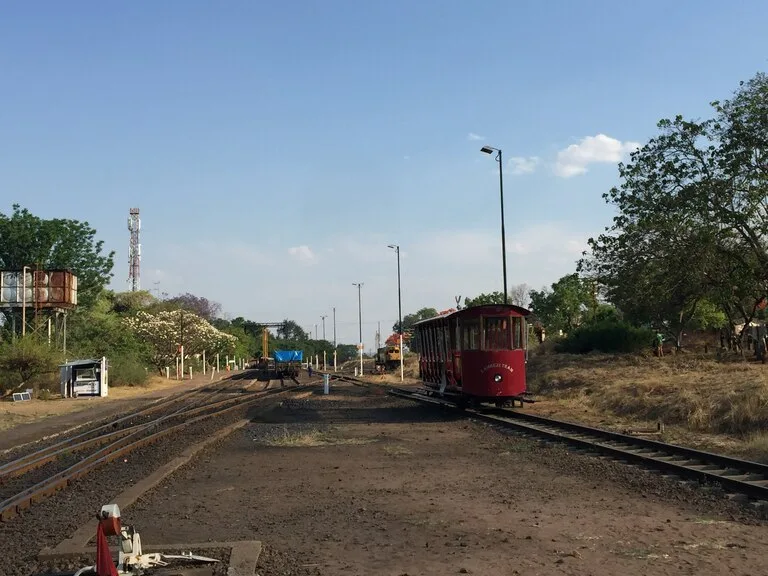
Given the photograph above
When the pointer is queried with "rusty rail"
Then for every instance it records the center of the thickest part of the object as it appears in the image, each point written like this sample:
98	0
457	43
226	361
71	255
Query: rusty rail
16	504
92	437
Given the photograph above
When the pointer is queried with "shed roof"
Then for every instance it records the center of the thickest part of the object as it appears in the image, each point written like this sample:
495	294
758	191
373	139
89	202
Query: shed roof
79	363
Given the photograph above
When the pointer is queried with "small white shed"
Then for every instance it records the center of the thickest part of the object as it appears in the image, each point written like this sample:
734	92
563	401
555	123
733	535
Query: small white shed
84	378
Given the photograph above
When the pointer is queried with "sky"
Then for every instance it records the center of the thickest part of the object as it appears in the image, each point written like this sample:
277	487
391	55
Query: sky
275	149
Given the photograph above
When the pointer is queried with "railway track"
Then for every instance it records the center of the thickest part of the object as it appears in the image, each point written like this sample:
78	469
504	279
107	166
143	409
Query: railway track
176	405
19	492
733	475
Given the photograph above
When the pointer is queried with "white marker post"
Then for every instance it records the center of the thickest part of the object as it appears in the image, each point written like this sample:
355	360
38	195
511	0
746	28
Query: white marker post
326	383
204	363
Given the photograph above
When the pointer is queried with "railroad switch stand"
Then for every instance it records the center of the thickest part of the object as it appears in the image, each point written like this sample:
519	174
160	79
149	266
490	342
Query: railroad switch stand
131	560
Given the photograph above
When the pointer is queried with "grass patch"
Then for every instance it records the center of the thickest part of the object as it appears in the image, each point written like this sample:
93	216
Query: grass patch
311	438
757	447
397	450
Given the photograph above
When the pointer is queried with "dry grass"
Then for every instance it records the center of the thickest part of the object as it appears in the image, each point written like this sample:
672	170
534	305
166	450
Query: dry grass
692	391
311	438
397	450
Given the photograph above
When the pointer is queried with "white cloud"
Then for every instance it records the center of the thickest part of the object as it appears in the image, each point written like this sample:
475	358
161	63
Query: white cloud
474	137
302	253
519	165
574	160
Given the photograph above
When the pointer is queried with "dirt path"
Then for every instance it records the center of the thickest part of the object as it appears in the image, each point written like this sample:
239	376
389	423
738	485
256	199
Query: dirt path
360	483
23	422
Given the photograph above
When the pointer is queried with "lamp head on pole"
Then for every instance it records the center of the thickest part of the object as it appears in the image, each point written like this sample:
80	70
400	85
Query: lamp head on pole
490	150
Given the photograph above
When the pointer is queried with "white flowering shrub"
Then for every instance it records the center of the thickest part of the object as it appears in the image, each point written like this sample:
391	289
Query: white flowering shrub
166	331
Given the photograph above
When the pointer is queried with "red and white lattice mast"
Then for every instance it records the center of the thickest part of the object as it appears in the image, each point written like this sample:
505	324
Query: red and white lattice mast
134	251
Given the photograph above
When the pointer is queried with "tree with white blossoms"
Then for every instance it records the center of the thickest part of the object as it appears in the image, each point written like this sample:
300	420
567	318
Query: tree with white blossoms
167	330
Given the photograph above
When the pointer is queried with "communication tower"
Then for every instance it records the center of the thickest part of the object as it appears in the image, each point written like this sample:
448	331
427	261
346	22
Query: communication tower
134	251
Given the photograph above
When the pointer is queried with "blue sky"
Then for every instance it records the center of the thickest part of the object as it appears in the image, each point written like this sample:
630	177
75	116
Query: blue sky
275	149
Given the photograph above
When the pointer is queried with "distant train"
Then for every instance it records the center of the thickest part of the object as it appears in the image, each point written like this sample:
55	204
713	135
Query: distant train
282	364
288	363
388	357
475	355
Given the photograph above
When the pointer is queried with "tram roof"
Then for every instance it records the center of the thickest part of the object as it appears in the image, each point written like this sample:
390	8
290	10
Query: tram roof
483	309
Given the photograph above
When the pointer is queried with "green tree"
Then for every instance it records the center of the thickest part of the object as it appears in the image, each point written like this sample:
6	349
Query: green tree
25	359
518	295
26	239
564	305
206	309
486	298
291	330
692	215
410	319
132	302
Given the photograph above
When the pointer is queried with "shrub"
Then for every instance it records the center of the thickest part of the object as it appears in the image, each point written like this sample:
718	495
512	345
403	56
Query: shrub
127	371
26	360
606	336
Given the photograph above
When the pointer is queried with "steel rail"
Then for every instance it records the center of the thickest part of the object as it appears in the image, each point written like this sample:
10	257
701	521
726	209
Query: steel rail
36	460
732	474
16	504
90	438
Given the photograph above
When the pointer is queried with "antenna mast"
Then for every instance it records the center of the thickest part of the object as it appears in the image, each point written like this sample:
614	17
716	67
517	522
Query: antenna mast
134	251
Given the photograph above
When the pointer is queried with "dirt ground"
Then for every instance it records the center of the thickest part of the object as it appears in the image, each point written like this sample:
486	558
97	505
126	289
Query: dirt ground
23	422
362	483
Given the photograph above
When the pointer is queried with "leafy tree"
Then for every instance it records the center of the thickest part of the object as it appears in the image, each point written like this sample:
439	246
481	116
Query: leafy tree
410	319
488	298
166	331
564	306
25	359
291	330
518	295
132	302
206	309
692	216
346	352
27	240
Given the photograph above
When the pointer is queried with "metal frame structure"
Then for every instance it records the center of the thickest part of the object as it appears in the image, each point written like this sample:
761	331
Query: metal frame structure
134	250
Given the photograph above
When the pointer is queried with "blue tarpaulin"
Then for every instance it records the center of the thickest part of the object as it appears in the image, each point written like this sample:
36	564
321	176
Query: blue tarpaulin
288	355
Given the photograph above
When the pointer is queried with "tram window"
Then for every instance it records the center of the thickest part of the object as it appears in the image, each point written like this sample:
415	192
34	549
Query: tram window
497	334
471	335
517	333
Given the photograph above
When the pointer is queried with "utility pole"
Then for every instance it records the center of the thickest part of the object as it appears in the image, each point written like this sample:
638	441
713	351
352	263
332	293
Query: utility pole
396	248
323	319
334	327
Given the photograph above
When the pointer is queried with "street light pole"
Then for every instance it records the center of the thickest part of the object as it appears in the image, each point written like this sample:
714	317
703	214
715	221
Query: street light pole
334	327
360	319
396	248
323	319
489	150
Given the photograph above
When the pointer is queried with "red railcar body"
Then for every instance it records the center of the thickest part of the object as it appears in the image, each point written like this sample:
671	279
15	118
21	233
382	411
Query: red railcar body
478	354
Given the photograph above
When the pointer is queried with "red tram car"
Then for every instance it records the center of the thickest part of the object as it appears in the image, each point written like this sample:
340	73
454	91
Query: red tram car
475	355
